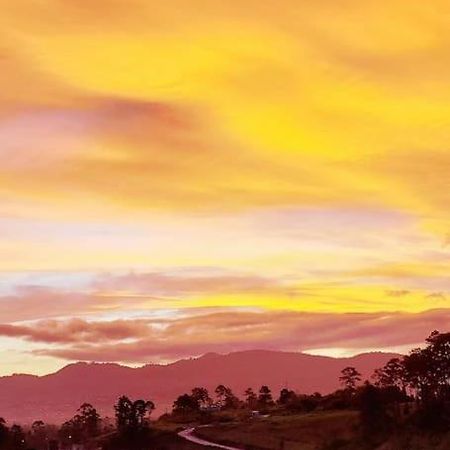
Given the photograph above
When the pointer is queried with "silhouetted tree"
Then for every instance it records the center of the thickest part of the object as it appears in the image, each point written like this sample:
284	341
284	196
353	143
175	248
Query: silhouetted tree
141	412
123	409
374	419
71	432
265	397
89	420
132	420
17	437
349	378
286	396
132	415
427	370
185	404
225	397
201	395
392	374
38	426
3	432
251	399
39	435
83	426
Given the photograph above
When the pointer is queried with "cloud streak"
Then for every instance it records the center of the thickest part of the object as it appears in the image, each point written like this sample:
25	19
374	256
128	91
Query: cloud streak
144	340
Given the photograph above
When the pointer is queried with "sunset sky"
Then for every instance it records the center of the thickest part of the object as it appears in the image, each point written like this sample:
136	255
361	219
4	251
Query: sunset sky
191	176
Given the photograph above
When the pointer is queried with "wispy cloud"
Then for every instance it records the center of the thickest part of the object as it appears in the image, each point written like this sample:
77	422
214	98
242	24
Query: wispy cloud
144	340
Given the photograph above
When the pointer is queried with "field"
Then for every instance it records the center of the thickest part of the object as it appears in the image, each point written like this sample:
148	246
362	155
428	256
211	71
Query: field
298	432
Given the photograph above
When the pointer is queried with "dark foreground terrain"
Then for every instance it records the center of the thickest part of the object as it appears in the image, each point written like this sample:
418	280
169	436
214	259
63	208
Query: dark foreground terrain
333	430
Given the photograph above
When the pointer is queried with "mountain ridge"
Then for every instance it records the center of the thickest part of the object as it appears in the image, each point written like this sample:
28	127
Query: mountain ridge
55	397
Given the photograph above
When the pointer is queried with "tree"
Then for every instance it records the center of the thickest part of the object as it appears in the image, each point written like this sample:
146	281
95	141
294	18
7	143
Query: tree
132	421
38	435
132	415
350	378
202	397
89	420
286	396
225	397
185	404
17	437
438	353
265	397
37	426
222	392
71	432
3	432
123	409
251	399
373	415
392	374
141	410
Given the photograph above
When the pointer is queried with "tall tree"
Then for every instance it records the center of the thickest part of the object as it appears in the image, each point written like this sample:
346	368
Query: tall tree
185	404
201	395
3	432
123	409
251	399
374	418
225	397
391	375
265	397
17	437
141	410
286	396
39	436
350	378
89	419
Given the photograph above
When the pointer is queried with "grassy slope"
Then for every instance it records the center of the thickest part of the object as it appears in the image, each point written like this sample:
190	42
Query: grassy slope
299	432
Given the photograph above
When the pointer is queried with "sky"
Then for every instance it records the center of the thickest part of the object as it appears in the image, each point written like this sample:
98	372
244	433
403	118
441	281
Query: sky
200	176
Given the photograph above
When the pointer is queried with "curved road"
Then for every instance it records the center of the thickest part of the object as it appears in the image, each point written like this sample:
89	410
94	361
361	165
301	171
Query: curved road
189	436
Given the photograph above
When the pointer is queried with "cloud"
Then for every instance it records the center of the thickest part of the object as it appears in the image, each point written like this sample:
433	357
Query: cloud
32	302
175	285
144	340
107	293
185	289
77	330
244	110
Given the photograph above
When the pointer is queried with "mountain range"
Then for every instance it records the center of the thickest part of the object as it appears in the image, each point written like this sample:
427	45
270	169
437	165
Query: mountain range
54	398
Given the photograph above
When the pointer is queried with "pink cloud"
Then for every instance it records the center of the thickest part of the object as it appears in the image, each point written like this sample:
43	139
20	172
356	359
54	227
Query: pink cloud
117	292
166	284
144	340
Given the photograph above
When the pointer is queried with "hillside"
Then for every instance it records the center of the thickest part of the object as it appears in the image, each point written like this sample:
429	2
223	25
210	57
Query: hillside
55	397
